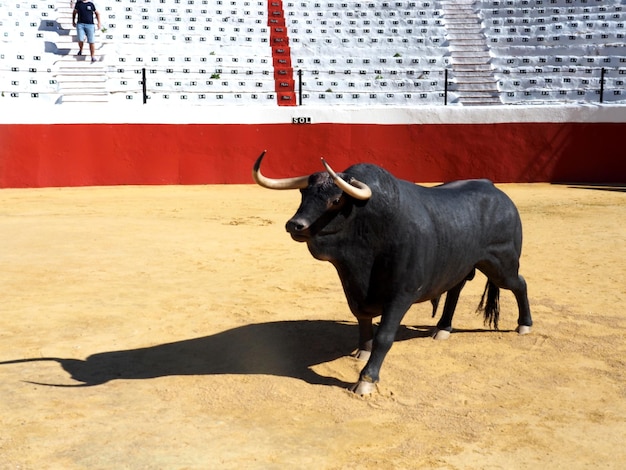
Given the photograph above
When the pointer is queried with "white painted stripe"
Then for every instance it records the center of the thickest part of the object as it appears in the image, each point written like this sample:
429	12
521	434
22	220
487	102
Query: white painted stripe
152	114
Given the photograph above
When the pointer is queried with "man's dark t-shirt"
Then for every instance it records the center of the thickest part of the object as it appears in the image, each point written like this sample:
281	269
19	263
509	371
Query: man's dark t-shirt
86	11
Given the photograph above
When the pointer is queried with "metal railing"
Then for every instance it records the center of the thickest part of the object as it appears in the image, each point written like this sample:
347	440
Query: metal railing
546	85
555	86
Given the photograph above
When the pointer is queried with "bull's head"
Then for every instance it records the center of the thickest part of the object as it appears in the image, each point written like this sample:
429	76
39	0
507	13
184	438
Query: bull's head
324	198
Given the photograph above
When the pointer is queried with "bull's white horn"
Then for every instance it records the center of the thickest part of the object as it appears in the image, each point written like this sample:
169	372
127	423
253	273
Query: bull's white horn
297	182
354	188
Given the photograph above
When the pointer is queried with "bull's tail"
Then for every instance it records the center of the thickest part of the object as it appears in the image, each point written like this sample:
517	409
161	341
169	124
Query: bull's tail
490	304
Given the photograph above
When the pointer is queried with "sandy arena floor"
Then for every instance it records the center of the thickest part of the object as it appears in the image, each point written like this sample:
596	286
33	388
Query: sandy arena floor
182	328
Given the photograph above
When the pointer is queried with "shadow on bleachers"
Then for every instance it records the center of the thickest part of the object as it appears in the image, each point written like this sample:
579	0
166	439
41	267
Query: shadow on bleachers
50	47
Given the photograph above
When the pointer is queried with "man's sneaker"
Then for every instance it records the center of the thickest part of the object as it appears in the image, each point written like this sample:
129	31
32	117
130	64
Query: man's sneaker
93	59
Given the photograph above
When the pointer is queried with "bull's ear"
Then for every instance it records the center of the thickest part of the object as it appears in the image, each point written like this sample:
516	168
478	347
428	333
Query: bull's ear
297	182
354	188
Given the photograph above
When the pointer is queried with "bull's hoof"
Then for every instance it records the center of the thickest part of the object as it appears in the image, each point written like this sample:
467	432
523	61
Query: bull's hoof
363	388
441	335
362	355
523	329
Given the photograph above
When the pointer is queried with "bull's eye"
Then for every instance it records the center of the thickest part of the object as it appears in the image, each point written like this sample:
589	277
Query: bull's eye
336	203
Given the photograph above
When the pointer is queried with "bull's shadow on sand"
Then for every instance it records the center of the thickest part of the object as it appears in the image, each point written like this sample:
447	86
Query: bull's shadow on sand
285	348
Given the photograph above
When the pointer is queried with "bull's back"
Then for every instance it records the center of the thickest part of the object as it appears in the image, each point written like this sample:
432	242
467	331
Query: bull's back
475	213
458	225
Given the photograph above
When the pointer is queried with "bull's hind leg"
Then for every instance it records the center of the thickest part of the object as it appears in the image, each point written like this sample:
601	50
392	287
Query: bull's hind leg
524	320
511	280
444	325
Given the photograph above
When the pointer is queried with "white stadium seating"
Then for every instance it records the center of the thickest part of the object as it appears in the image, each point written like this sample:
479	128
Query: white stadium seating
555	50
370	52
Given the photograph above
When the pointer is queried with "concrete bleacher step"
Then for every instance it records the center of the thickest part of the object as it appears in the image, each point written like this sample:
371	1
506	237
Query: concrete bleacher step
85	98
80	72
468	45
479	100
474	78
477	87
64	14
72	83
80	80
466	69
76	75
464	36
75	61
470	57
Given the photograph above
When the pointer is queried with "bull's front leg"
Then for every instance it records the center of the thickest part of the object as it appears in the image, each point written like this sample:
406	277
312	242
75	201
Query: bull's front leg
383	340
366	338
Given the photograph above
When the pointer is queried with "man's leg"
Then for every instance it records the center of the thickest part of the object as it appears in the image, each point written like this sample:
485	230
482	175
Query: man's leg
80	32
91	38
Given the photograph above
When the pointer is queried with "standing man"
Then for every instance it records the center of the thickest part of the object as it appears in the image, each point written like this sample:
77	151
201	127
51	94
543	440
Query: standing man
85	11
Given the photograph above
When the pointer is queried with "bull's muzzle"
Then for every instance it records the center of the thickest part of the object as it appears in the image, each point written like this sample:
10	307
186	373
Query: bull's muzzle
298	229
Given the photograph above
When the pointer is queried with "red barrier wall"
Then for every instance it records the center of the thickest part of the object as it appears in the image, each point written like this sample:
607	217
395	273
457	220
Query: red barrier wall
39	155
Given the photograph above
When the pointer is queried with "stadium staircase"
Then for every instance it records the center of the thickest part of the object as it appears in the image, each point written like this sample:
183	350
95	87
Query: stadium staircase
475	83
79	80
281	54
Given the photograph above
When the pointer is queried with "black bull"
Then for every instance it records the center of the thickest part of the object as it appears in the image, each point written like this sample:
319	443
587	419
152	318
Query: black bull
395	243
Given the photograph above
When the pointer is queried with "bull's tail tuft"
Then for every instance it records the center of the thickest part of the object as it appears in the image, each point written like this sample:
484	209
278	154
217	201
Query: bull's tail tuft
490	305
